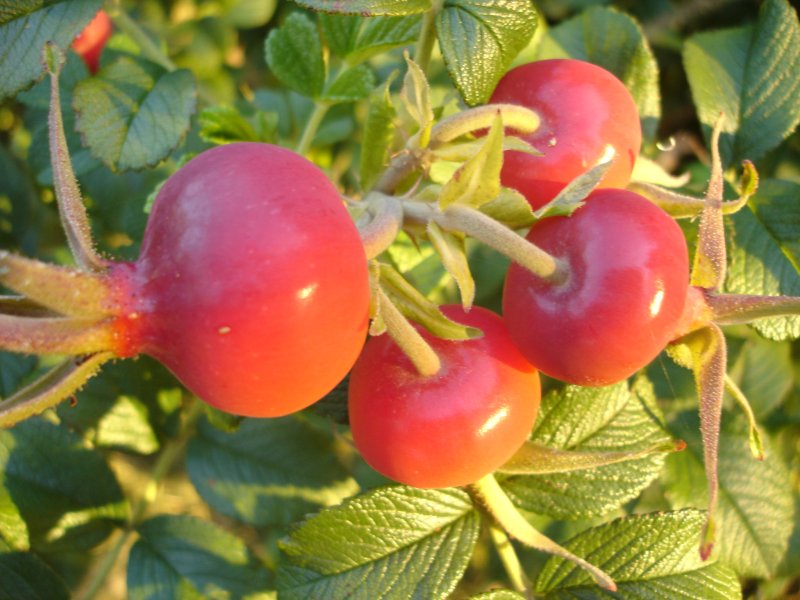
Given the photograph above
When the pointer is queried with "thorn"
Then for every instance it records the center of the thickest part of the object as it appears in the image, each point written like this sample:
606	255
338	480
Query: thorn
73	401
679	446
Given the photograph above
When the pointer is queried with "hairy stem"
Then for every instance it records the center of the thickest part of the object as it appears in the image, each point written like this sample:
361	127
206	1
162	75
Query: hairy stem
483	228
74	219
489	495
407	337
517	118
53	387
427	37
55	335
734	309
68	291
312	125
510	560
387	219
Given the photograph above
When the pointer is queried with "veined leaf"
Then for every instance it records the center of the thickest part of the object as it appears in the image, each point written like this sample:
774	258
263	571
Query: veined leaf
393	542
24	29
764	252
367	8
479	39
185	557
750	74
649	556
755	511
267	472
613	418
24	575
294	54
350	85
133	113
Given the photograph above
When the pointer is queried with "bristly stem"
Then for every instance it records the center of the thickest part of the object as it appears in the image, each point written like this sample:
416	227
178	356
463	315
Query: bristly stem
407	337
517	118
491	497
733	309
70	204
55	335
53	387
385	223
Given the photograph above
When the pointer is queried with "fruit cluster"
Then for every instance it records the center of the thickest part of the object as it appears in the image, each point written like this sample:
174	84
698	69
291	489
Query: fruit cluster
254	288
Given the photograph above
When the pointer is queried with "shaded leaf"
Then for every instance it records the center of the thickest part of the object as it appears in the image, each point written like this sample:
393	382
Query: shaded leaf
268	471
367	8
133	113
24	575
24	29
751	75
186	557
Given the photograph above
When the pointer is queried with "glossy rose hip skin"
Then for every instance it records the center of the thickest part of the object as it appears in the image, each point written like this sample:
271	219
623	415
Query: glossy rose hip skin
622	301
451	428
252	283
588	116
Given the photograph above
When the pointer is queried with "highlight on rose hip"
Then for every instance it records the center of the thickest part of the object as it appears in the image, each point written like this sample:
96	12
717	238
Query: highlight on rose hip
462	299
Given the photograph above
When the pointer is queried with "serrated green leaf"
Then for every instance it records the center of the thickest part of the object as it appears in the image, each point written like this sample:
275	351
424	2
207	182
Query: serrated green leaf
751	75
224	124
612	418
649	556
367	8
393	542
186	557
479	39
477	181
498	595
340	32
24	575
614	41
64	491
755	511
133	113
381	34
764	252
294	55
764	372
510	208
267	472
24	29
379	131
454	258
351	85
13	529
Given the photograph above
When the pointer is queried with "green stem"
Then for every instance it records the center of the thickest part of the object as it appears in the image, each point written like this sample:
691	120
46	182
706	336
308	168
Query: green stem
53	387
171	453
387	219
74	219
424	47
483	228
407	337
510	560
488	493
133	30
517	118
312	125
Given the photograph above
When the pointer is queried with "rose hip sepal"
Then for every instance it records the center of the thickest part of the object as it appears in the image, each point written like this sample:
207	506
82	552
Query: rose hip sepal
587	117
622	300
451	428
251	286
90	42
